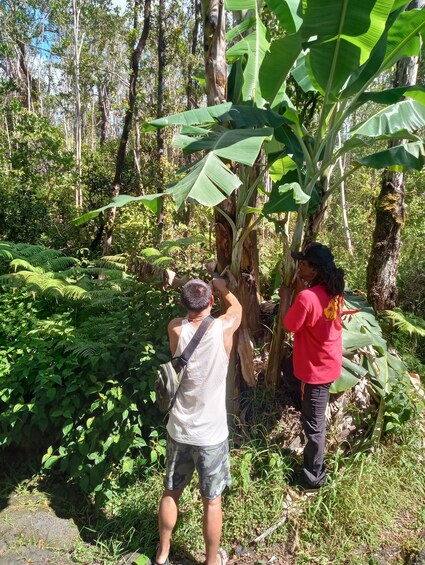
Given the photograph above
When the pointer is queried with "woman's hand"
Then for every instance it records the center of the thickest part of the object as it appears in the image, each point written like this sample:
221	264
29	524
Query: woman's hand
300	284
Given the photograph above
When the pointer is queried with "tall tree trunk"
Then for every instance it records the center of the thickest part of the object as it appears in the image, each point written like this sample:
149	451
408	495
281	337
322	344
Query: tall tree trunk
191	93
159	113
191	101
390	213
104	105
76	12
30	94
119	166
137	148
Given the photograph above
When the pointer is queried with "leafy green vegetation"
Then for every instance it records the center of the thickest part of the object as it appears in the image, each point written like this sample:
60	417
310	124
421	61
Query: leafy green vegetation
78	373
308	107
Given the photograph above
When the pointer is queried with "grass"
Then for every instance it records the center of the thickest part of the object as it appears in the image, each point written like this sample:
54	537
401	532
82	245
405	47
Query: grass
371	511
372	505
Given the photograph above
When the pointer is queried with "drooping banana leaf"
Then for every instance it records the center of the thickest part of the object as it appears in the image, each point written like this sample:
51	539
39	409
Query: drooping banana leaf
150	201
398	158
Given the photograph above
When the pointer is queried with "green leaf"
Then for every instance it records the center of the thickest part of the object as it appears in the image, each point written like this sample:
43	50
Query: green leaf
150	201
404	37
281	167
399	158
240	29
67	428
346	381
285	198
393	95
352	341
237	5
287	12
253	47
277	63
340	37
209	182
247	117
300	74
190	117
406	115
142	560
242	145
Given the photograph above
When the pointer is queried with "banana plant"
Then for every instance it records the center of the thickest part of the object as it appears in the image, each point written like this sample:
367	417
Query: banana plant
366	355
335	48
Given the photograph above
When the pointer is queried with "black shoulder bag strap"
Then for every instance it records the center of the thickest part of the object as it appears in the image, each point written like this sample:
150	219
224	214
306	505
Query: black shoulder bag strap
193	343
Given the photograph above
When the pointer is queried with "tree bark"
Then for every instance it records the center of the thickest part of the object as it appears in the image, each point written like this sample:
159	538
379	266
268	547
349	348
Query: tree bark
384	258
191	100
76	12
159	113
119	166
215	50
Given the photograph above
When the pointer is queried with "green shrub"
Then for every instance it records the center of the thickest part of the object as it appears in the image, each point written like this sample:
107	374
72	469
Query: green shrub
77	379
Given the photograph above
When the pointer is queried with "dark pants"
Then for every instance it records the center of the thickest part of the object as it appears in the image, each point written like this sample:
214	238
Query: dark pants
314	399
311	401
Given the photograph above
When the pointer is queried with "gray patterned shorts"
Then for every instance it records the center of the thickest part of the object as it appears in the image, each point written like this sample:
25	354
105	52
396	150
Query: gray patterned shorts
212	464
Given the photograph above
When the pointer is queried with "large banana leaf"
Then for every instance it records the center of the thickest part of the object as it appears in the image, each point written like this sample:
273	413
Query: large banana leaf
300	74
394	95
365	350
253	47
363	76
190	117
288	13
340	36
404	37
208	181
406	115
151	201
277	63
398	158
243	116
239	145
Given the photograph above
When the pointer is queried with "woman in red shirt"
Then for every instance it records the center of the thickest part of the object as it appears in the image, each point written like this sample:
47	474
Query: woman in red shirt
315	320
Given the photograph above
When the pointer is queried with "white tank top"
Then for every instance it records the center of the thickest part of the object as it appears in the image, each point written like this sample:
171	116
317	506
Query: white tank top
199	416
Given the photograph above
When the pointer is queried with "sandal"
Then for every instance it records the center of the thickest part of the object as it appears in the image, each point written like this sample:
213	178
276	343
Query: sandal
224	558
155	562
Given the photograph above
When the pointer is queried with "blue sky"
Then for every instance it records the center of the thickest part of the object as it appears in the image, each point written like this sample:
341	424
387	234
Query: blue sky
119	3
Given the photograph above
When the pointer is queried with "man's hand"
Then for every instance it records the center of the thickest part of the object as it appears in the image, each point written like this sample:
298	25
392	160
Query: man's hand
219	285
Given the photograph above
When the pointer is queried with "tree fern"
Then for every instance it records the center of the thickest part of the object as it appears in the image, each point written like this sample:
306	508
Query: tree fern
54	275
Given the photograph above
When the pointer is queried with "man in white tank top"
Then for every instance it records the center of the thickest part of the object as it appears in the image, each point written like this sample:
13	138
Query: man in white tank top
197	425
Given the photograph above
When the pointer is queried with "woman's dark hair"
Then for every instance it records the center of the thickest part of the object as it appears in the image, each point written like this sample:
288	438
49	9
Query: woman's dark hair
196	295
331	277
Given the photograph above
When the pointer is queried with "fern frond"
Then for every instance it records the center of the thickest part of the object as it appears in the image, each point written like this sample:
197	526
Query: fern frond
122	258
183	242
163	261
59	264
74	293
110	273
86	349
407	323
22	264
150	252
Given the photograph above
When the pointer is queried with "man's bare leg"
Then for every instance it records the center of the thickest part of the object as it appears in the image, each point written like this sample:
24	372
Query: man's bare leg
213	520
167	519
